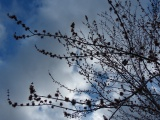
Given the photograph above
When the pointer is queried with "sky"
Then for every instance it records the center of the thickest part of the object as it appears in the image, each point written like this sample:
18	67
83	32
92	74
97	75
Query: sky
21	64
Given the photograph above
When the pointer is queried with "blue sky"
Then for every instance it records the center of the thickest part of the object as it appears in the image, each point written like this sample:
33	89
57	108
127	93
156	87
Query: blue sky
20	8
21	64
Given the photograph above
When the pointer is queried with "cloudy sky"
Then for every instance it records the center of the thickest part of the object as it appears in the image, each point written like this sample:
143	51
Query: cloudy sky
21	64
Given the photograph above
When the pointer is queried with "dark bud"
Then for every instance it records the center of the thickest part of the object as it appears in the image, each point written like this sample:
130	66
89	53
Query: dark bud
110	8
101	101
23	25
33	104
19	22
117	5
124	62
27	28
49	96
117	100
56	95
14	105
61	104
121	93
66	99
88	103
72	25
73	102
91	58
72	59
52	106
10	103
56	33
109	1
30	97
86	17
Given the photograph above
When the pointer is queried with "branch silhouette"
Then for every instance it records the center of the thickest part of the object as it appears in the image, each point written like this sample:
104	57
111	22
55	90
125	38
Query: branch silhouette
125	46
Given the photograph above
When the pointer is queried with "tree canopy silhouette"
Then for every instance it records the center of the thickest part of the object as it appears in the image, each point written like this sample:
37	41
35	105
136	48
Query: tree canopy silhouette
125	46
